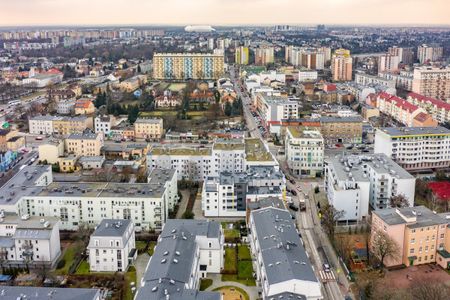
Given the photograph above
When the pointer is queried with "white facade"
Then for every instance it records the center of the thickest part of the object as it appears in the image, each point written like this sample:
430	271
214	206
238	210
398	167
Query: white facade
29	240
274	108
111	245
415	148
307	75
352	183
388	63
65	107
41	124
366	79
103	124
304	150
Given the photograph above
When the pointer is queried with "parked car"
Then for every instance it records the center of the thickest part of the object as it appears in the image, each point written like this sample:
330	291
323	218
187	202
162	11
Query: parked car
326	267
293	207
292	181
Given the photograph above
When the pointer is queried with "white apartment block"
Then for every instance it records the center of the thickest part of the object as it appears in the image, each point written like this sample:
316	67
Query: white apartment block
306	75
388	63
234	155
432	82
227	195
65	107
402	80
187	250
274	108
103	124
29	240
169	178
283	268
415	148
429	53
112	246
304	148
33	192
41	124
353	182
366	79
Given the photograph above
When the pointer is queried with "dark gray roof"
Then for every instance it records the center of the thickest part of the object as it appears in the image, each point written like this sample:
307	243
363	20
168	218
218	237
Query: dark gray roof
112	227
210	229
415	130
266	202
340	119
44	293
176	292
161	176
424	216
283	254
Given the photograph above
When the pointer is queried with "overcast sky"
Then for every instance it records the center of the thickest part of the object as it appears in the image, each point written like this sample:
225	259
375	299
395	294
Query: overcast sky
216	12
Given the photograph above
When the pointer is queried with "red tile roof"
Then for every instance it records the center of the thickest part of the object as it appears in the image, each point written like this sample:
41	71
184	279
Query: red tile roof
399	102
437	102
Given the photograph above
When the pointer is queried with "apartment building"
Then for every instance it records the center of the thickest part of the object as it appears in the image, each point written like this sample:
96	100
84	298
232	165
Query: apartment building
440	110
415	148
307	57
131	84
422	236
84	107
42	124
274	108
41	293
227	195
241	55
264	55
403	111
187	250
366	80
403	80
196	164
432	82
187	65
406	54
6	135
346	130
282	266
51	150
388	63
33	192
169	178
304	148
85	144
341	65
112	246
353	182
68	125
429	53
65	107
103	124
148	128
29	240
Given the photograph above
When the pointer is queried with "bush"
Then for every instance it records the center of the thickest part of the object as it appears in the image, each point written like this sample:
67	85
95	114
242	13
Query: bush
61	264
188	215
316	190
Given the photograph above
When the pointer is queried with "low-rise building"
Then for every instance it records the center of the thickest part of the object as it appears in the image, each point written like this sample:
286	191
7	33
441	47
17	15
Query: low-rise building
103	124
10	141
51	151
86	144
112	246
421	236
65	107
29	240
274	108
68	125
336	130
187	250
43	293
42	124
84	107
415	148
281	263
91	162
304	148
352	183
148	128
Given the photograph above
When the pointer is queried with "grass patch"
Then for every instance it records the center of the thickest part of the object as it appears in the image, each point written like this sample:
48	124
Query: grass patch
244	252
140	246
69	256
245	270
130	277
151	248
83	268
234	278
230	265
205	283
244	293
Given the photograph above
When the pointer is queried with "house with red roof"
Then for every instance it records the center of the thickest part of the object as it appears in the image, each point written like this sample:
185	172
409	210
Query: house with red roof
404	112
84	106
439	110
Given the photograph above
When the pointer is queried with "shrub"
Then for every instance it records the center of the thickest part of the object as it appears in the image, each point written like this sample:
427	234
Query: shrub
61	264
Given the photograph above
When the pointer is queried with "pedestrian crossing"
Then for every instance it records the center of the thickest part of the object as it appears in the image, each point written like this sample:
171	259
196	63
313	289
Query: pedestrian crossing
327	276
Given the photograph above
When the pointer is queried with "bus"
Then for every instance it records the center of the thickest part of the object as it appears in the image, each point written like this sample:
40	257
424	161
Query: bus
14	103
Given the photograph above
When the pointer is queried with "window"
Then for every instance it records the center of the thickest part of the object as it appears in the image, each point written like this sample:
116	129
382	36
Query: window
411	251
413	240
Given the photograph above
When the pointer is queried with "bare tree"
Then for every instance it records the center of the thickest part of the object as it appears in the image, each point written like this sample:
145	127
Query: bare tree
383	246
398	201
344	247
428	290
330	216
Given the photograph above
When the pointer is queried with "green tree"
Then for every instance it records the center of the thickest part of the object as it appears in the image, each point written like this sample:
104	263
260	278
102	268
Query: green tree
133	113
228	109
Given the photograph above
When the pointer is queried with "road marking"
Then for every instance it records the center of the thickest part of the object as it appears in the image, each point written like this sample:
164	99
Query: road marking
327	276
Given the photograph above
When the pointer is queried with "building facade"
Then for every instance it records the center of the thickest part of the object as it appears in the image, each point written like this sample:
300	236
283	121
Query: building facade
341	65
146	128
432	82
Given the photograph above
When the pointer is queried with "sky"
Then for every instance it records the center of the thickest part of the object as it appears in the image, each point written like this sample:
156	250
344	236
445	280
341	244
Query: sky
223	12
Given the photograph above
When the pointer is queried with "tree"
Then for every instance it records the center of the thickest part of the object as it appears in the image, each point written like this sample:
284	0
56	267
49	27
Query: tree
424	289
383	246
228	109
330	217
188	214
344	246
133	113
139	69
398	201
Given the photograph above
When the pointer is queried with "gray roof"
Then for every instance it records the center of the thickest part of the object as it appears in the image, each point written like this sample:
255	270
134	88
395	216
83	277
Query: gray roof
341	119
379	162
83	136
86	159
414	130
161	176
210	229
175	290
6	242
22	184
424	216
43	293
283	254
266	202
112	227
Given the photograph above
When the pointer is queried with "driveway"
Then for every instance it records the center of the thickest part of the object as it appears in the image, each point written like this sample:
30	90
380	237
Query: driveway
183	203
140	264
252	291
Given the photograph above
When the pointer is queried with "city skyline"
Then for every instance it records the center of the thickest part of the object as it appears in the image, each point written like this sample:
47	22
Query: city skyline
219	12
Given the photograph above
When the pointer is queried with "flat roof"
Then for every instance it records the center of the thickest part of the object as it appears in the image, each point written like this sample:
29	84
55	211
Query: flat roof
255	150
160	150
230	144
46	293
405	131
304	132
424	216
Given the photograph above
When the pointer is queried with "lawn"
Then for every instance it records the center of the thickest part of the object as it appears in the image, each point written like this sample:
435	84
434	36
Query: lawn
231	234
130	277
230	265
69	256
157	113
151	248
244	252
229	294
205	283
83	268
140	246
245	270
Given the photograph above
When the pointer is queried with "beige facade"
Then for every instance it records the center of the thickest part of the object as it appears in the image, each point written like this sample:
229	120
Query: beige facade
187	65
84	144
5	136
432	82
341	65
84	107
341	130
148	128
418	232
65	126
51	151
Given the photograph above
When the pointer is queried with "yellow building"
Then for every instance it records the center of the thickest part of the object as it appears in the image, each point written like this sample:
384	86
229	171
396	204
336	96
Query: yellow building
419	233
187	65
84	144
241	55
51	151
341	65
146	128
68	125
84	107
68	163
10	141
